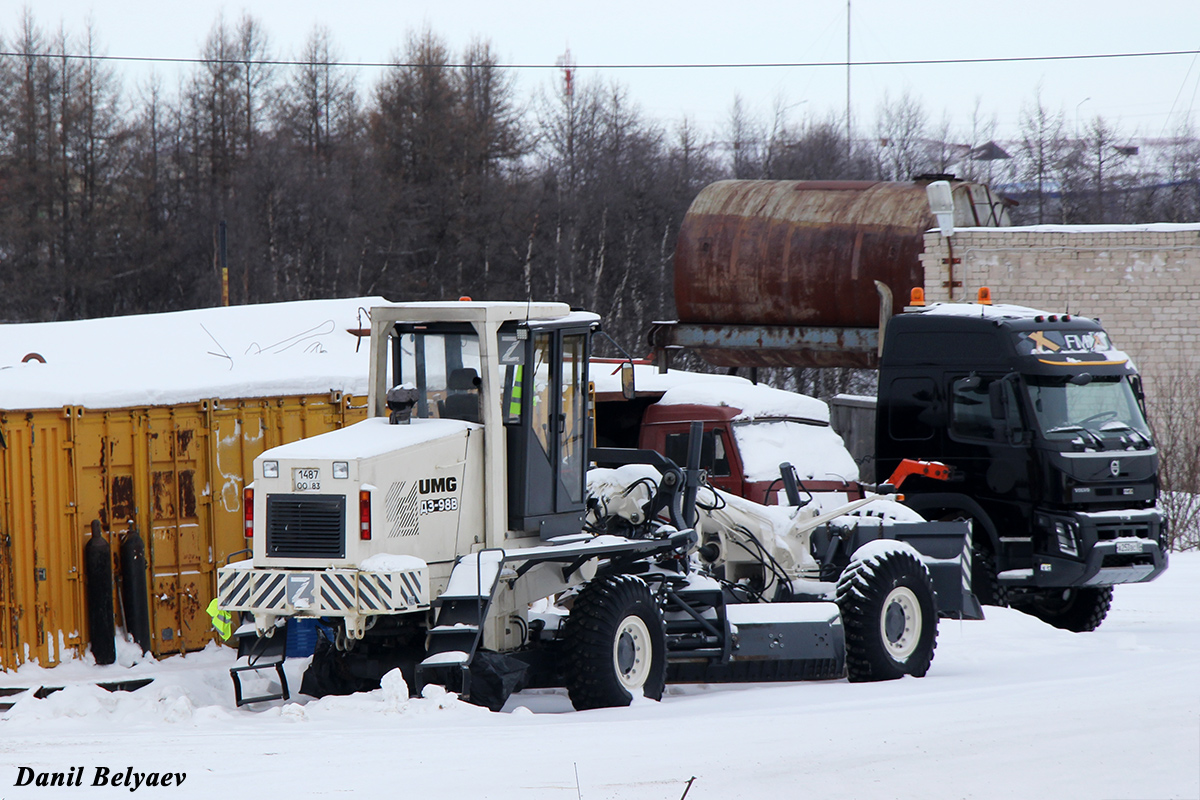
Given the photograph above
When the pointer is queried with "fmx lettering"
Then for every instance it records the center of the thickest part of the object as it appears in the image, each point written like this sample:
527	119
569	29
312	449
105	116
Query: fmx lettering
437	485
1086	342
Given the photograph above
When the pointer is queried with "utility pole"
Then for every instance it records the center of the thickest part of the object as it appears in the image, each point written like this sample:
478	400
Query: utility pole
849	137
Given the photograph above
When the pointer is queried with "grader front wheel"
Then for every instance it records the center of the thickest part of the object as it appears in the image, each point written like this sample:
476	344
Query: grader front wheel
888	612
614	644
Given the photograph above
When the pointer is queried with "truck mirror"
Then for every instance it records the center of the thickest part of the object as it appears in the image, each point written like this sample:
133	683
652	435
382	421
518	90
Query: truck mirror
1139	394
998	400
628	388
969	383
1082	379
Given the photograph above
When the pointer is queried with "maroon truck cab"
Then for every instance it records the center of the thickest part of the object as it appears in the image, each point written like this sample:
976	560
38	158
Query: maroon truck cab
803	439
665	429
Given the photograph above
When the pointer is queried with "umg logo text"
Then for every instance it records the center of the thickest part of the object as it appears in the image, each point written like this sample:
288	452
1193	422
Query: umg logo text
437	485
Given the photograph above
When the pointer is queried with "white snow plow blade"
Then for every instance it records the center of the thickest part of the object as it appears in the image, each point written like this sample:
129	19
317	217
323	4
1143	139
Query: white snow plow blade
322	593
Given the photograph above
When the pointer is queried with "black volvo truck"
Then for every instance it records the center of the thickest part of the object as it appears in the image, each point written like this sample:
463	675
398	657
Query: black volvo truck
1043	423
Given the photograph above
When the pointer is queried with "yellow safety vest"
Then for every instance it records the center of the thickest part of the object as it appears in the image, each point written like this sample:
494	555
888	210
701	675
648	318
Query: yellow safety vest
221	620
514	401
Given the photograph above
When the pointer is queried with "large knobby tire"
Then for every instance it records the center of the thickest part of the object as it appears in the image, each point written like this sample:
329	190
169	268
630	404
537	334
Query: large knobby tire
614	644
889	615
1078	609
984	583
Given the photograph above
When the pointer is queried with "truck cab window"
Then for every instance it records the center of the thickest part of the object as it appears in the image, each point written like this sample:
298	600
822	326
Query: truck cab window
1104	409
543	403
712	452
971	410
572	414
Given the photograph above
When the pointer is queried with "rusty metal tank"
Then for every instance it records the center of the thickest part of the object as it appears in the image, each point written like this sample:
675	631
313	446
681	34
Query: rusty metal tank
808	253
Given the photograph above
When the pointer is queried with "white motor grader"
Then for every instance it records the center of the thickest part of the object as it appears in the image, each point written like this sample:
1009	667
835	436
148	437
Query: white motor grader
456	534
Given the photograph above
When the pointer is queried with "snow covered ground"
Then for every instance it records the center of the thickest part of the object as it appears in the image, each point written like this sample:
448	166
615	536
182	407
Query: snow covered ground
1010	709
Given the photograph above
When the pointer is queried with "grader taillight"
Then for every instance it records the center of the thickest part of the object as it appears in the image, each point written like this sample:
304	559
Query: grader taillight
248	511
364	515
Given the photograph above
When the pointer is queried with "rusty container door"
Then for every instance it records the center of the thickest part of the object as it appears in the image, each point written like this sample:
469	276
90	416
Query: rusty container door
42	542
104	488
179	544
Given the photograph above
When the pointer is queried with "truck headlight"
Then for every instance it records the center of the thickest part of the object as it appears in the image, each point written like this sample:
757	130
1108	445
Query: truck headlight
341	469
1066	538
270	469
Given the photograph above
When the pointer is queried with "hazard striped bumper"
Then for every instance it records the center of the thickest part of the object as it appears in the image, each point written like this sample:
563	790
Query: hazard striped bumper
322	593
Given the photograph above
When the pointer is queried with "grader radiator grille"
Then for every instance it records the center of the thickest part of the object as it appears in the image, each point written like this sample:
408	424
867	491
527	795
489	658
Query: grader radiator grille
306	526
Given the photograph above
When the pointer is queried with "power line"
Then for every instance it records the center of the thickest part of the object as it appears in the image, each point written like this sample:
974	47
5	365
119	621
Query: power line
730	65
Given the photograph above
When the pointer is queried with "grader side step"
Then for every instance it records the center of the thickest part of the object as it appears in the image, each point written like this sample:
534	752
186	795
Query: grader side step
261	653
458	629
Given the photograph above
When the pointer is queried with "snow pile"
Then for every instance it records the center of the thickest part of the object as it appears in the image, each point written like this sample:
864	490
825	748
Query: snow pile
185	356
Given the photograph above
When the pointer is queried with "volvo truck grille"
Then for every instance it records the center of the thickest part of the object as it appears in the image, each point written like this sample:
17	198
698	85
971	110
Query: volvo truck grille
1116	530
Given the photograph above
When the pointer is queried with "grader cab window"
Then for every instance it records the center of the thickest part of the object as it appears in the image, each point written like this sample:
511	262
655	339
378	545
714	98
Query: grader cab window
444	367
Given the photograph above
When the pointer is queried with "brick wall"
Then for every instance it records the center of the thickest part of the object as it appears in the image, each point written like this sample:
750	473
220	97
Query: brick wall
1141	281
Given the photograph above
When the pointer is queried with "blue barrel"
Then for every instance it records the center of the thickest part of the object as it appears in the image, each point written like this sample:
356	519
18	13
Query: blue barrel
301	637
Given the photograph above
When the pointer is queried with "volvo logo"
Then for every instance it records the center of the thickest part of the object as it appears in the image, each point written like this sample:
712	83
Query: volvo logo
1114	467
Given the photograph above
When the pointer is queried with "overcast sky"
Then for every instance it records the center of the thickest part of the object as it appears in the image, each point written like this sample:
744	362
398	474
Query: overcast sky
1144	96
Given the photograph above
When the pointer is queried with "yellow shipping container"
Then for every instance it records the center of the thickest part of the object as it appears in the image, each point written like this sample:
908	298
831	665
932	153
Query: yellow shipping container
140	447
174	472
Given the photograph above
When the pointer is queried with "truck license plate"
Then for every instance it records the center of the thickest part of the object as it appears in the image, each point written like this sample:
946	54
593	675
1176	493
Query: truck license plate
306	479
1129	547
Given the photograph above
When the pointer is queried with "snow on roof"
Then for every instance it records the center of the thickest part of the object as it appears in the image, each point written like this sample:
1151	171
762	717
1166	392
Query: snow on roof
1153	227
489	310
752	400
817	452
185	356
648	380
369	438
996	311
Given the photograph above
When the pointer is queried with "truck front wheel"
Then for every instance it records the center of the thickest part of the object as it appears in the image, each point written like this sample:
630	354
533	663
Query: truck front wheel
888	612
614	644
1077	609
